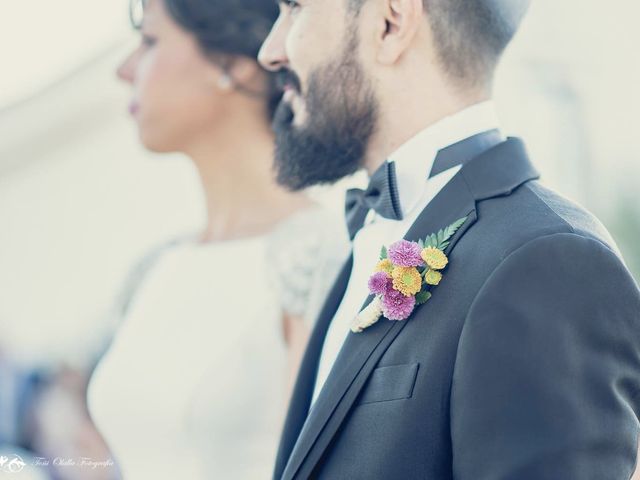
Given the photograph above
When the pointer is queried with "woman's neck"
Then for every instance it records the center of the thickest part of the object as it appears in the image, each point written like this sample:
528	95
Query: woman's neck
234	164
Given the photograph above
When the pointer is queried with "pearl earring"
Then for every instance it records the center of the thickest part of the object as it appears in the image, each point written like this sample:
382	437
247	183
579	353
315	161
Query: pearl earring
224	82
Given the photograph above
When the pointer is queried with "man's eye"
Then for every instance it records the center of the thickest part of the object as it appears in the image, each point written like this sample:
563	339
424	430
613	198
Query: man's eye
292	5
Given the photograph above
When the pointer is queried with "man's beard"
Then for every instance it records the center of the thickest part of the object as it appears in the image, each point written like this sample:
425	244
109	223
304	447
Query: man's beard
341	117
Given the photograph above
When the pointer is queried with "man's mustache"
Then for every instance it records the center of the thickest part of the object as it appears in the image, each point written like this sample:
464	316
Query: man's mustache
287	78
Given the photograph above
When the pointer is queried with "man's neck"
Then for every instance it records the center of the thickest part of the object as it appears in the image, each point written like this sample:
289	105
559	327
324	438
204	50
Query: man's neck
401	122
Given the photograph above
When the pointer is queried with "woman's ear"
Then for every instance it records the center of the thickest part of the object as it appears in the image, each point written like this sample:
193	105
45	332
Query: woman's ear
402	21
230	73
243	71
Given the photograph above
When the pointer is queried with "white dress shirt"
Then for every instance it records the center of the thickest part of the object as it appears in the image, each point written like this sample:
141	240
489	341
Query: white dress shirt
413	162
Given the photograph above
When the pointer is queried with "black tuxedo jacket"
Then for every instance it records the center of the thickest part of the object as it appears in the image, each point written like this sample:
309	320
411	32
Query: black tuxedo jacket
524	365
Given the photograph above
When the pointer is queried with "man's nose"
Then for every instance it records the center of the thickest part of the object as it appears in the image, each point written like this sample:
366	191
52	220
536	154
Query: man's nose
272	55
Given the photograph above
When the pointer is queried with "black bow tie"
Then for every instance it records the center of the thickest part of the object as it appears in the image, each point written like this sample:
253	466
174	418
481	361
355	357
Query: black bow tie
382	193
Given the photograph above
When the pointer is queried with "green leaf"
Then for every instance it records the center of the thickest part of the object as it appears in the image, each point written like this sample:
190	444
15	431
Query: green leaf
449	232
383	253
440	240
422	297
453	228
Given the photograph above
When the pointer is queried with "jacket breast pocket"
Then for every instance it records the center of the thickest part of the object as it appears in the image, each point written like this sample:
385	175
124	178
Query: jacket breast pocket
394	382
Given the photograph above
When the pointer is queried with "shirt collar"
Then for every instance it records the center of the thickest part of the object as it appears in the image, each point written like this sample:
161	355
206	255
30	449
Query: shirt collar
414	159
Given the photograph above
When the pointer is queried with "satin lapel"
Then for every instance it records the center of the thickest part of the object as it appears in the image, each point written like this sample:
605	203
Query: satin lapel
303	389
361	352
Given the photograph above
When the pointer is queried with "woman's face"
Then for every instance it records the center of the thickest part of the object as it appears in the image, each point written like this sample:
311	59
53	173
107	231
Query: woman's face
176	89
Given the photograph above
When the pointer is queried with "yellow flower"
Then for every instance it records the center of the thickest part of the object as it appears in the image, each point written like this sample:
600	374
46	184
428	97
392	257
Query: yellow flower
384	266
432	277
407	280
434	258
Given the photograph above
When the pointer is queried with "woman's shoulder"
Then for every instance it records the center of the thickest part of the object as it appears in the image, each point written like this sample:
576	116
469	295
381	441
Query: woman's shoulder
305	253
141	268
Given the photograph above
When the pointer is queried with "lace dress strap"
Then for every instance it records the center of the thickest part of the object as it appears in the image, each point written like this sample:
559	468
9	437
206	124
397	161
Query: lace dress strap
305	253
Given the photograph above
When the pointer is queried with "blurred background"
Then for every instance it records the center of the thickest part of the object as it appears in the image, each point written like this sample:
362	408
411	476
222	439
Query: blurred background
81	201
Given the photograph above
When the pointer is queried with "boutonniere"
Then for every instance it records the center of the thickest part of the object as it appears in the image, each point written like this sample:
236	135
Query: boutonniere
404	277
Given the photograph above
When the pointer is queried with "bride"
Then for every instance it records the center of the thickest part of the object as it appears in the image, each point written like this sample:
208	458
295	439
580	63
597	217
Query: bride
194	384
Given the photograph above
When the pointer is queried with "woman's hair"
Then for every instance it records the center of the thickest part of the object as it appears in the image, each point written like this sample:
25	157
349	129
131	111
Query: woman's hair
226	29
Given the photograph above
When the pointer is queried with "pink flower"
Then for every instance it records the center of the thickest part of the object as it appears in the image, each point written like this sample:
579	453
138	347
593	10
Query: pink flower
380	283
405	254
396	306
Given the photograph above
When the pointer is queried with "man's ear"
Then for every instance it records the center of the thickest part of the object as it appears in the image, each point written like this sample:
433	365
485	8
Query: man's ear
402	21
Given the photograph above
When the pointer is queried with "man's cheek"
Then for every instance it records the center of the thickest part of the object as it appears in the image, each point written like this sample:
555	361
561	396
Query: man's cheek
298	46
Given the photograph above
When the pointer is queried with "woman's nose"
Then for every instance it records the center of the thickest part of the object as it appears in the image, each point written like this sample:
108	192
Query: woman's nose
126	70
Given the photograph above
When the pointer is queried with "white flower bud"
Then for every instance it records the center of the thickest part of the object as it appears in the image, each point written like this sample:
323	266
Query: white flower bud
368	316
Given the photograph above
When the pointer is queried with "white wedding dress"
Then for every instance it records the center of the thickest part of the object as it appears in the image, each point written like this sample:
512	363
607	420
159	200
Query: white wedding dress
193	384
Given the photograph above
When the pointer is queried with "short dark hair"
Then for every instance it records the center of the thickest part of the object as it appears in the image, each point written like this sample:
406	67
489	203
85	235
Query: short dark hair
470	35
230	28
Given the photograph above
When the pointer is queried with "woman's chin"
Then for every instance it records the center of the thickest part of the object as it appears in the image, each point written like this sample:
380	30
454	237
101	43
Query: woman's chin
154	142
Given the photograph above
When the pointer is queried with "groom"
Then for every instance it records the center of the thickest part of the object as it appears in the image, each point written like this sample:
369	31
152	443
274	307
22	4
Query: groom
525	362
